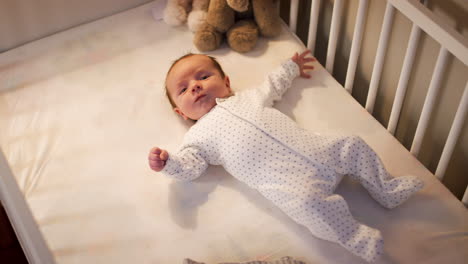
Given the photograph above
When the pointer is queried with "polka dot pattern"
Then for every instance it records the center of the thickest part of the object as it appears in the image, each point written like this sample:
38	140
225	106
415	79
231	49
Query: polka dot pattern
296	169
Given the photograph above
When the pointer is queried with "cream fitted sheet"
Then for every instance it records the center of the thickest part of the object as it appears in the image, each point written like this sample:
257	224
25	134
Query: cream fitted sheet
80	110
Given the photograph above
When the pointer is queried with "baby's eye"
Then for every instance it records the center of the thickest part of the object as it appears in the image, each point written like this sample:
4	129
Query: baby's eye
182	90
204	77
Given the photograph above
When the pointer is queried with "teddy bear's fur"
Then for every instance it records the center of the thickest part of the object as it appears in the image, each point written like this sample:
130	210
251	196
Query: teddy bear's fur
178	12
240	21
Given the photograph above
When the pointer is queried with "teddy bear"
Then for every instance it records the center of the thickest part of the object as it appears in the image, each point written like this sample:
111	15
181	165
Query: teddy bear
240	22
178	12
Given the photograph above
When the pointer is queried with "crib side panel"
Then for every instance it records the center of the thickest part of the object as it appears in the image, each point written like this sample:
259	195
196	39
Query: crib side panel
23	21
451	42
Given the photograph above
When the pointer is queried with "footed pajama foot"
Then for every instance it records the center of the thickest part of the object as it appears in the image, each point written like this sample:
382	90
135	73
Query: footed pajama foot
366	243
397	190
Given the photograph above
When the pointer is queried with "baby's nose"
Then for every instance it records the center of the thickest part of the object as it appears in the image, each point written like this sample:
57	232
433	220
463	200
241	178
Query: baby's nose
196	87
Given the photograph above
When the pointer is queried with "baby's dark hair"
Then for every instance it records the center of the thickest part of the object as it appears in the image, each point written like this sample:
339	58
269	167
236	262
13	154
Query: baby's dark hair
213	59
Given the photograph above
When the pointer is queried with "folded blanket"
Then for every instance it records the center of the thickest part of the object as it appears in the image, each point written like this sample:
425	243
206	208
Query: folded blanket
283	260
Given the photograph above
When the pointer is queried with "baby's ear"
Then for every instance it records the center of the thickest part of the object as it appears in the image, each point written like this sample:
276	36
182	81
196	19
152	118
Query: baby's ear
179	112
227	82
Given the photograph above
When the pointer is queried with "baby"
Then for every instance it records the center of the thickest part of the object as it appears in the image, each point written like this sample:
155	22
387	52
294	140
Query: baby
296	169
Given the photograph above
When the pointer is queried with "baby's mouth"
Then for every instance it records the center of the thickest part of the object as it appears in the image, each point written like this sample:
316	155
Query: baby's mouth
199	97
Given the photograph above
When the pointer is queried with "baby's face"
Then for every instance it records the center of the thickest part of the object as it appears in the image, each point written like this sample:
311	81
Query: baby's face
194	84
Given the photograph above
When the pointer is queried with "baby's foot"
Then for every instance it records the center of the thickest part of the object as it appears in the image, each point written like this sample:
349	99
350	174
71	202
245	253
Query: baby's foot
397	190
366	243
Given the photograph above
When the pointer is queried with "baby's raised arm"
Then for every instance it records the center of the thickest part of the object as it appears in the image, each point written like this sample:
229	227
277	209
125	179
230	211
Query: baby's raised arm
280	79
157	159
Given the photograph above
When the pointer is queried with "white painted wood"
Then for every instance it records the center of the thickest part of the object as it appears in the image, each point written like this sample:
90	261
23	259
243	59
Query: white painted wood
379	60
314	15
454	133
404	77
465	197
356	45
435	27
21	218
428	107
334	31
294	8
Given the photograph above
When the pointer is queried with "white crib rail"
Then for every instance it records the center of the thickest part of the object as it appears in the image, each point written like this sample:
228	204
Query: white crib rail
32	241
450	40
445	35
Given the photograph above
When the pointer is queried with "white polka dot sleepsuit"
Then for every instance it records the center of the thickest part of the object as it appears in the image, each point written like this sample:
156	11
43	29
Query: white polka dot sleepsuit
296	169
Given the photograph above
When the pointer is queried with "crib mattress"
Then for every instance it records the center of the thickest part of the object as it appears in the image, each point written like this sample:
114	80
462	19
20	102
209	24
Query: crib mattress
80	110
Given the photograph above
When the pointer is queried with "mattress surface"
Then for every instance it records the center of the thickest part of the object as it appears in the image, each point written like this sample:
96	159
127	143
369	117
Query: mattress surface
80	110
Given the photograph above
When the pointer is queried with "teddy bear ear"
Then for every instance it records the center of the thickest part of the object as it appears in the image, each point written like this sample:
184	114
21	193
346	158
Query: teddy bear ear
238	5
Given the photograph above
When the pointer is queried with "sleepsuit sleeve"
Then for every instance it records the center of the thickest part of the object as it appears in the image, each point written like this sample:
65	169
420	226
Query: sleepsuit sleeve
278	81
186	165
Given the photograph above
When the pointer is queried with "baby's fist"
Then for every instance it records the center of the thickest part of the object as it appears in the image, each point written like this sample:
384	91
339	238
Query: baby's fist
157	158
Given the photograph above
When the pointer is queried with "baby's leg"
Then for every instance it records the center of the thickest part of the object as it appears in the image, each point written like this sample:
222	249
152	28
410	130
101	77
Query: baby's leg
328	217
351	155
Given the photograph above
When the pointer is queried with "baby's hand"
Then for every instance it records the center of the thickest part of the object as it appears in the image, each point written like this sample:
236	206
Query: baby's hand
301	61
157	158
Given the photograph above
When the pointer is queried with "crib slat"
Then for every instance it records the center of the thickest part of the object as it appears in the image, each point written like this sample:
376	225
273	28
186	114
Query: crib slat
379	60
334	31
429	102
294	7
404	77
314	14
454	133
356	45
